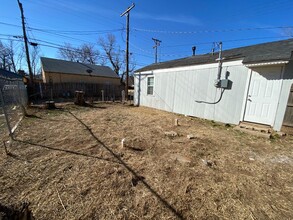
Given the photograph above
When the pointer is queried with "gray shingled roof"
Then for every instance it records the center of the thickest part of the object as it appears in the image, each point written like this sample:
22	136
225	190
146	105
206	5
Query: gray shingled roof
9	75
69	67
266	52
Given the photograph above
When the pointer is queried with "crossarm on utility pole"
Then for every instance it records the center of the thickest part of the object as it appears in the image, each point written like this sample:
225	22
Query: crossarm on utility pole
127	13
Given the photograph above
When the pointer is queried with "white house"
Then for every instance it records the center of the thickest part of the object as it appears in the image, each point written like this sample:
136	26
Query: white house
253	84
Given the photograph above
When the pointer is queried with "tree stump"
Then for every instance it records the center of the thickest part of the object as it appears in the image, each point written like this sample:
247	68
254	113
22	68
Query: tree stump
79	98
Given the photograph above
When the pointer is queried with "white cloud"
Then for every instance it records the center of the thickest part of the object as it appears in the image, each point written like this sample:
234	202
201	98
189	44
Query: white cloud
81	7
174	18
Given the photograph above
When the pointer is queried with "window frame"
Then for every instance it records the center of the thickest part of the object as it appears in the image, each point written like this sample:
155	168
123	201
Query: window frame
148	86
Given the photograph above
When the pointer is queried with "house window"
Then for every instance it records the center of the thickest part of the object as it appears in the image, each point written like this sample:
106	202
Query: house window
150	85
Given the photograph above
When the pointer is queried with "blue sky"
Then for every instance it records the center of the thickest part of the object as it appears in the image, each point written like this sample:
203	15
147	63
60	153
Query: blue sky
178	24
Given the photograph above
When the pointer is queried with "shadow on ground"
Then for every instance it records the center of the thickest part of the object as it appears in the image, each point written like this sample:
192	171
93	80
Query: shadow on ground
117	159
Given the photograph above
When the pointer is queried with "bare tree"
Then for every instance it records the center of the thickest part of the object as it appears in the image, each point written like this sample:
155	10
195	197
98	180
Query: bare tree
86	53
68	52
115	56
3	56
35	57
112	52
10	56
19	58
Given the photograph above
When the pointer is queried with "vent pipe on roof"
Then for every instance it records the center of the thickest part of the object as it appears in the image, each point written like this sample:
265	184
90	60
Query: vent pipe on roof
193	50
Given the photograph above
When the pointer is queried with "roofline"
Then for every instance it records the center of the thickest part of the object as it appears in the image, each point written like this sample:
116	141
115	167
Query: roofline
81	74
73	62
266	63
155	66
234	62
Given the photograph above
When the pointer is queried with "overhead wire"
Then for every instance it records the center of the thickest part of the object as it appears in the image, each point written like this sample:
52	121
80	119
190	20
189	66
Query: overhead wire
140	32
77	32
73	50
211	31
85	12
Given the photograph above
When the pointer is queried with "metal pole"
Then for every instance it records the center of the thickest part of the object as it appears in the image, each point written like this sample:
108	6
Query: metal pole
5	113
218	80
21	101
220	62
25	43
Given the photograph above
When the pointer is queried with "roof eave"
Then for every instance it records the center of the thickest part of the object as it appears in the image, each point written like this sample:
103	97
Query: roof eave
268	63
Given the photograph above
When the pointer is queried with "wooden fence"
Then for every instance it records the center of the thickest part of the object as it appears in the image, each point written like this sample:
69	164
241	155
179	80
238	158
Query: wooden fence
288	119
100	92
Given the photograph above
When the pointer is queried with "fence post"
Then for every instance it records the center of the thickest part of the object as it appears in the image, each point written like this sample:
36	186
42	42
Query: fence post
123	95
41	90
103	97
21	100
113	92
5	113
51	88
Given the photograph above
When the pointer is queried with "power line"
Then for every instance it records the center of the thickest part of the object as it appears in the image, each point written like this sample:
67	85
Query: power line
78	32
62	8
74	32
211	31
230	40
62	47
8	24
69	32
170	54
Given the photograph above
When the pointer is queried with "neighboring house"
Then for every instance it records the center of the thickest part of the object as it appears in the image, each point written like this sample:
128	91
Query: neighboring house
254	87
12	88
61	71
5	74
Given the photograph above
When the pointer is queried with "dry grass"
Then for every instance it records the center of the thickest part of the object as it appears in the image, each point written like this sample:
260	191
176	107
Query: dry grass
69	164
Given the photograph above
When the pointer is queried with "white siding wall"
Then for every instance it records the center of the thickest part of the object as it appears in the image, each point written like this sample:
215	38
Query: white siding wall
176	90
286	85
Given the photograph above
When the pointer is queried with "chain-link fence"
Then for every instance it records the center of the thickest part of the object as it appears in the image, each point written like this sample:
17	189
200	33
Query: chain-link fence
13	99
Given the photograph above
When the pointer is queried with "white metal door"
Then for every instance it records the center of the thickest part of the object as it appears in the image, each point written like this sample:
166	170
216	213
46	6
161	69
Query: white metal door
263	95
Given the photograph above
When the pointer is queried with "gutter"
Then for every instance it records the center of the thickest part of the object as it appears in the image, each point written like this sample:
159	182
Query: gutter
266	63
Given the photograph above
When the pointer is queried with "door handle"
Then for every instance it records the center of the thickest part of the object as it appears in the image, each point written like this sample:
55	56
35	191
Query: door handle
249	100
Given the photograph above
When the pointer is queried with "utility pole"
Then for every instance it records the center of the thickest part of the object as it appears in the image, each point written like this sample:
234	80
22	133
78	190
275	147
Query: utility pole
26	44
127	13
157	44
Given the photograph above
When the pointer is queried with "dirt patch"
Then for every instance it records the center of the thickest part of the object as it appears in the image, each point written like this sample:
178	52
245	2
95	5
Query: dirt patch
69	164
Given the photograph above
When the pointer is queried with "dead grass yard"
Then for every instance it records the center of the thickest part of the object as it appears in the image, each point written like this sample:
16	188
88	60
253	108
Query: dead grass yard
69	164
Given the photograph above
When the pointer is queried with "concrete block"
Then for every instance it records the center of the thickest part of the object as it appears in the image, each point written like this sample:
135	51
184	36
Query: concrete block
190	136
171	134
176	122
